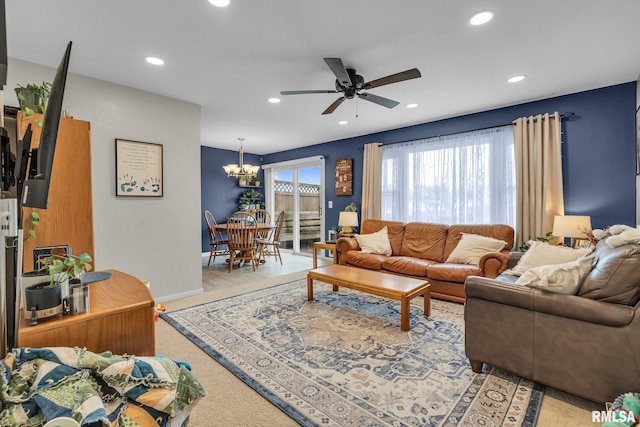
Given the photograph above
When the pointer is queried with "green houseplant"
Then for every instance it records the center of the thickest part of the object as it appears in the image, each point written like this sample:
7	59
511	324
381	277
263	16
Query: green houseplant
67	267
33	98
248	198
44	298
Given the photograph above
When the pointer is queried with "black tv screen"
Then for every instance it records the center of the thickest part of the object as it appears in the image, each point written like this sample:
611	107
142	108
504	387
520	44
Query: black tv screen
36	190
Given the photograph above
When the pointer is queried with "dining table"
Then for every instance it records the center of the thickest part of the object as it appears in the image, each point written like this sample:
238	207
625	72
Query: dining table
261	227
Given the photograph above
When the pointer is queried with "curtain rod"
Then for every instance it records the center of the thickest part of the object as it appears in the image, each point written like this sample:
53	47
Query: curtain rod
562	116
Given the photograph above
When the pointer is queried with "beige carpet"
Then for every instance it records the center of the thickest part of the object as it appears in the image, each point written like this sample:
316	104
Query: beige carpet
229	402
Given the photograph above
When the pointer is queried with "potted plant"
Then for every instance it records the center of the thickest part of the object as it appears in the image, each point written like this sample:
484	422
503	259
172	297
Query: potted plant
33	98
68	267
44	298
248	198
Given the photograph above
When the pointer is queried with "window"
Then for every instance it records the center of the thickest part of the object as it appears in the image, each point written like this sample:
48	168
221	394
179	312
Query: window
465	178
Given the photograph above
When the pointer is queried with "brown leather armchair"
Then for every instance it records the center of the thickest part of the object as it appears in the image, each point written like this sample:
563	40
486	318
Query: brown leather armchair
586	344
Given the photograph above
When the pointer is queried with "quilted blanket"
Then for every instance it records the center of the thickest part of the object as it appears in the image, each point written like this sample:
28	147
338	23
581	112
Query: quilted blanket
37	385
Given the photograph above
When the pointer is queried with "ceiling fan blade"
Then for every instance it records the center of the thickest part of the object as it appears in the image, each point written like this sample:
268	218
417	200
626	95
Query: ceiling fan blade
333	106
413	73
338	69
302	92
385	102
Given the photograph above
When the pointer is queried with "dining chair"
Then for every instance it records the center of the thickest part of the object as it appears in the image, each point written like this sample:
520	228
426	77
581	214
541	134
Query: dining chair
215	238
241	234
263	216
273	241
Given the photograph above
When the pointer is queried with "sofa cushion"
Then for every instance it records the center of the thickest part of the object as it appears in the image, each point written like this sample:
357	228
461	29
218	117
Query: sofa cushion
395	230
540	253
559	278
496	231
375	243
615	278
452	272
471	248
407	265
362	260
424	240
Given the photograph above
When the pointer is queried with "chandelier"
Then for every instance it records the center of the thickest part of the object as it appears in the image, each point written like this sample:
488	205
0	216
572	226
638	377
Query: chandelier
242	170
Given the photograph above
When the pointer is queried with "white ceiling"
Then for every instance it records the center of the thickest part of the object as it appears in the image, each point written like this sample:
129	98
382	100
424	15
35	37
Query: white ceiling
231	60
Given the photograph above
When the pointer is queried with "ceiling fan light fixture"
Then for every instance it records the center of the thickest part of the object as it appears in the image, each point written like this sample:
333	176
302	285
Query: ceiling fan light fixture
274	100
220	3
516	79
343	122
349	84
482	18
412	105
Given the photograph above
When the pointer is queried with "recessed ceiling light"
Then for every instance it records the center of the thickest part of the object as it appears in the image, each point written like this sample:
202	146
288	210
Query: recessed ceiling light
516	79
481	17
219	3
343	122
412	105
154	61
274	100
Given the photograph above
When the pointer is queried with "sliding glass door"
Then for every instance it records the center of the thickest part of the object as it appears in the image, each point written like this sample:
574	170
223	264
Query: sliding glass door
297	187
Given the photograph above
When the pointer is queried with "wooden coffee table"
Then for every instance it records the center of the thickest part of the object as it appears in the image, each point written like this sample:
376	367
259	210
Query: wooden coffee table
386	285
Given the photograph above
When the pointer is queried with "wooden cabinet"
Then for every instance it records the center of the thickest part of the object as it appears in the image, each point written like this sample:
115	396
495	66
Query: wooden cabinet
121	320
68	219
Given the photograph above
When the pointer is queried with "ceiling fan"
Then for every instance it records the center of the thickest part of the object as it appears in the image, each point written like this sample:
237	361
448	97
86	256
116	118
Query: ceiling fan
351	84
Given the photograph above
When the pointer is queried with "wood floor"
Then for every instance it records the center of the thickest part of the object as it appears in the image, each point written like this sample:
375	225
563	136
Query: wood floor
216	276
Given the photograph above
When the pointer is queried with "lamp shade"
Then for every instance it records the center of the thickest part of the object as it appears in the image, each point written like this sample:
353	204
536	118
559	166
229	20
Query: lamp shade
574	226
348	219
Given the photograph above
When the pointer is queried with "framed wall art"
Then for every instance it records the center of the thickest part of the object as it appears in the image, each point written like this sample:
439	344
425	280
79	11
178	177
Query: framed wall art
138	169
344	177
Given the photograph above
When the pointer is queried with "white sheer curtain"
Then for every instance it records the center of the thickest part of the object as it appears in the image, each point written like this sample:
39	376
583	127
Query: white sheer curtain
465	178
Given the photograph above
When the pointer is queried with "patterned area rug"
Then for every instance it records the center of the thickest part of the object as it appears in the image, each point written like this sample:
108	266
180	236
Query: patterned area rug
341	360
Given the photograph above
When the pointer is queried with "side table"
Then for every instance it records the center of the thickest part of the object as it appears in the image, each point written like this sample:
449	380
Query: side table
327	246
120	320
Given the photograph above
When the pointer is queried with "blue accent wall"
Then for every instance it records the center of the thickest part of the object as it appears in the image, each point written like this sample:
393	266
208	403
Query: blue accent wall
598	154
220	194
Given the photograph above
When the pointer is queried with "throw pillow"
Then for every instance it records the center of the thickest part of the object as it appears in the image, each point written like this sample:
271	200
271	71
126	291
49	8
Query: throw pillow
541	253
559	278
472	247
375	243
630	235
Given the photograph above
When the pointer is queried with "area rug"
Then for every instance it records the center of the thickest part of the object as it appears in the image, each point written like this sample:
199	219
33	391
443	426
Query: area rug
342	360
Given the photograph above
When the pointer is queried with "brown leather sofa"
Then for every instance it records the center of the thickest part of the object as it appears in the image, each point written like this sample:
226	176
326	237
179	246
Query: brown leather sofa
586	344
420	249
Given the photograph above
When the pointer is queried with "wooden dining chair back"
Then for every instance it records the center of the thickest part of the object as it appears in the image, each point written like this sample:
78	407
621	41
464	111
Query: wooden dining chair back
271	245
242	235
263	216
217	241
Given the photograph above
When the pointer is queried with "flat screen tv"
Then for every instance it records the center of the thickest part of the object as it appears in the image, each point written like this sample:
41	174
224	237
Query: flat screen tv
36	190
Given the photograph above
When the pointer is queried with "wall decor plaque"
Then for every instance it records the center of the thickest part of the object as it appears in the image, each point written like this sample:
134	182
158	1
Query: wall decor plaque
138	169
344	177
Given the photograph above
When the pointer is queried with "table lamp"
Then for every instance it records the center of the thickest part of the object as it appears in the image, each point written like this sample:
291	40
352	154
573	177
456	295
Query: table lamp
575	227
347	221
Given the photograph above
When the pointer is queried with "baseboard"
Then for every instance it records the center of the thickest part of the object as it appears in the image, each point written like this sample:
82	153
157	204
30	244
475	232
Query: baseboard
179	296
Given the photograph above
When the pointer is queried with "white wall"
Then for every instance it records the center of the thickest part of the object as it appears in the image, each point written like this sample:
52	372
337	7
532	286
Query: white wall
154	239
637	176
